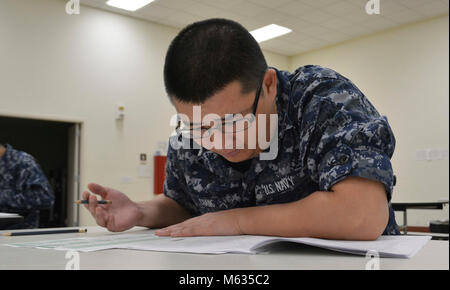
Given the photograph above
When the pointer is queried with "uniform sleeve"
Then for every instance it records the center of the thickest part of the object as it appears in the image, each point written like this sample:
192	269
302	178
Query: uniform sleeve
175	183
353	139
32	190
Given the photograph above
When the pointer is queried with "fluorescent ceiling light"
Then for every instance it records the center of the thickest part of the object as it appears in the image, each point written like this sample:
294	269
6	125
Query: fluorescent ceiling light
130	5
269	32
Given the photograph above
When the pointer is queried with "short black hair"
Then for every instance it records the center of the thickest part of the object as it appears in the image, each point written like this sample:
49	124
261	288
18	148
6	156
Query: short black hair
208	55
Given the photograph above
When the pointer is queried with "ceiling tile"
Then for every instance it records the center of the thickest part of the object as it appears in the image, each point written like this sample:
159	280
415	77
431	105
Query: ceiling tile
431	9
405	16
314	23
271	3
318	3
296	9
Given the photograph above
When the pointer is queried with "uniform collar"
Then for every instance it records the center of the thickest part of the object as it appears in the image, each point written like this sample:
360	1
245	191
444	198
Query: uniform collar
283	102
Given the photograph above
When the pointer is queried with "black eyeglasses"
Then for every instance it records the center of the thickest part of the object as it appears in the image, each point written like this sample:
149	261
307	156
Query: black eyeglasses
258	93
232	125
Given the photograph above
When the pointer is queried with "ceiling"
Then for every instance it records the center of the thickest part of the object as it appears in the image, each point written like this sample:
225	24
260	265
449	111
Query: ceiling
315	23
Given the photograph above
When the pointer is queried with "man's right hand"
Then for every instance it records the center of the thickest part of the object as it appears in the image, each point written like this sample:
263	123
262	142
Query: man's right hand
122	214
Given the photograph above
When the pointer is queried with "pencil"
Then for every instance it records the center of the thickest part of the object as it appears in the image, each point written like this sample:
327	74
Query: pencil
87	202
49	232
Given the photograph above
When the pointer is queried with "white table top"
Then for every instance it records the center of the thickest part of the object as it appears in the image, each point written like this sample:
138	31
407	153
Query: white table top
434	255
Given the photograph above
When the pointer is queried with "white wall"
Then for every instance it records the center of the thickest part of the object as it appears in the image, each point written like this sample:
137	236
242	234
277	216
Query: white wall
78	67
405	74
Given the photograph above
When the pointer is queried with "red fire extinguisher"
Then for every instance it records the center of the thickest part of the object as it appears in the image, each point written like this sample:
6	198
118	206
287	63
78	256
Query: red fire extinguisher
159	172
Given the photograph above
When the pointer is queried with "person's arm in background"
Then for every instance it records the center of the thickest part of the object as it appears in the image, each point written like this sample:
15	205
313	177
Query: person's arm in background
32	190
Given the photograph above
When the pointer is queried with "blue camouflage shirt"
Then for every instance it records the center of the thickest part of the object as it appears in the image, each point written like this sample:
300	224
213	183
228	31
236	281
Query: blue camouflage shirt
24	189
327	130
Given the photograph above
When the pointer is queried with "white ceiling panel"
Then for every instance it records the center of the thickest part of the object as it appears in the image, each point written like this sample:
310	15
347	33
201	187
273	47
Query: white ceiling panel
314	23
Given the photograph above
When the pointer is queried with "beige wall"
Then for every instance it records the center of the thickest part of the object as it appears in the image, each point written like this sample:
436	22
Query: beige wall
278	61
61	67
405	74
80	67
57	66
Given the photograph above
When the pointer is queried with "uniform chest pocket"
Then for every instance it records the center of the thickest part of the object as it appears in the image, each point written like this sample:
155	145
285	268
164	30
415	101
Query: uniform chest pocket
280	188
220	188
217	196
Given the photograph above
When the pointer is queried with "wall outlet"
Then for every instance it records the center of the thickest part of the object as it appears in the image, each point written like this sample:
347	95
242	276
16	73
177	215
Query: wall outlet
431	154
126	180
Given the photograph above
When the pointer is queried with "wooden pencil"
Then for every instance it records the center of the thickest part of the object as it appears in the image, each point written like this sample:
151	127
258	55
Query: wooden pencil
99	202
47	232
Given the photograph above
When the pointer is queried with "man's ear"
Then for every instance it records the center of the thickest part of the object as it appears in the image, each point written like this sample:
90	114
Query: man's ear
270	84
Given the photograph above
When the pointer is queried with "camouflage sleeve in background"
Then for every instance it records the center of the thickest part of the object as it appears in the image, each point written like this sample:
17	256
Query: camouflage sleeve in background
23	185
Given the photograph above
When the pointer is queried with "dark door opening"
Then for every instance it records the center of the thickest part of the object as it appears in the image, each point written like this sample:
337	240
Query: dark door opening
49	143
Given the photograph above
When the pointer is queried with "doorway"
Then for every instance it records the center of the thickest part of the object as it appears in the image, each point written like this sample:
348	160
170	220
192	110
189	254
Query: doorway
56	147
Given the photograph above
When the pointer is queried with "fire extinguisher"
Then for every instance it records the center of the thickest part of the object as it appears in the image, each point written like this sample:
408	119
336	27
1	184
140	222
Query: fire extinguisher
159	162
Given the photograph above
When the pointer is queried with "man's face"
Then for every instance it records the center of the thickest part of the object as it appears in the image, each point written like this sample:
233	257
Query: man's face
231	100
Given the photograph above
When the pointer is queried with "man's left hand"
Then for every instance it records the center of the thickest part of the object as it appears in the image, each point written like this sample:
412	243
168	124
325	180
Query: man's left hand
221	223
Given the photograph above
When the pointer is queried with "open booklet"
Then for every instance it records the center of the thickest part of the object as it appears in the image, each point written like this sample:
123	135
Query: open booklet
384	246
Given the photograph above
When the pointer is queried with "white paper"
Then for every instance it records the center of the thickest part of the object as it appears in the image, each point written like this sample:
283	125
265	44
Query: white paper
8	215
386	246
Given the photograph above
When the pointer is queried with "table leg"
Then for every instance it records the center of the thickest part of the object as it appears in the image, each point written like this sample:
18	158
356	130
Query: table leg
405	223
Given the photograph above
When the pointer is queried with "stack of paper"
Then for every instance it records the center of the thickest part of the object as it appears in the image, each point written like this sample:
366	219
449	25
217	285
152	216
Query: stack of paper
385	246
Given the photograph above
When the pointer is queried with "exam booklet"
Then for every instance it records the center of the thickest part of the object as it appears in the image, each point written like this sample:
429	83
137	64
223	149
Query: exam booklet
386	246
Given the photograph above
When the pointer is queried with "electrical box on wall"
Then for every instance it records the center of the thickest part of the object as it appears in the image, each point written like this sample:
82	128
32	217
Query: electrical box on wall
144	170
120	112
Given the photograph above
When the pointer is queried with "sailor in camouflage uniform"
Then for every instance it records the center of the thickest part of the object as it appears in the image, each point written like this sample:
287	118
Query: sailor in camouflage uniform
330	177
24	189
328	130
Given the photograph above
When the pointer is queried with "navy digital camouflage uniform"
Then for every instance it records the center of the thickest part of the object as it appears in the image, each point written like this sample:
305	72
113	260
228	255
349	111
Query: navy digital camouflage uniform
24	189
328	130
